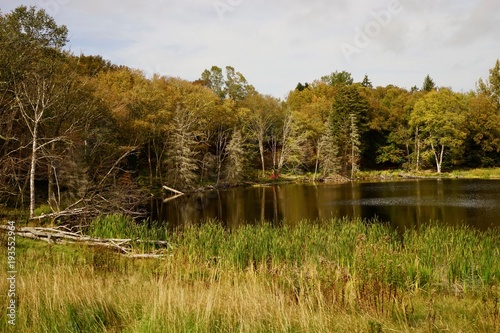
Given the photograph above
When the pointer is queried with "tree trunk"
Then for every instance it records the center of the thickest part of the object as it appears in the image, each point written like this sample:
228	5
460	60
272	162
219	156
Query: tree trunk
439	159
261	150
33	168
417	148
318	152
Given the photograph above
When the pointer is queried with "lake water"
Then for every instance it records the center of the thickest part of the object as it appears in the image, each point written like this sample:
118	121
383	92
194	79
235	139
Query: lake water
403	203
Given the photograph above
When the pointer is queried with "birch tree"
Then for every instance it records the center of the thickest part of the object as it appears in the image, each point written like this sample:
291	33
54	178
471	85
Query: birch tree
260	111
440	118
35	42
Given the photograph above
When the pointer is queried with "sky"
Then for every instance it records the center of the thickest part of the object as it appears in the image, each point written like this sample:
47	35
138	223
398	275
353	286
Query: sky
277	43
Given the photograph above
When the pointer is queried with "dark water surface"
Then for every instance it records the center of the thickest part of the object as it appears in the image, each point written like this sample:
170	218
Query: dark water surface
403	203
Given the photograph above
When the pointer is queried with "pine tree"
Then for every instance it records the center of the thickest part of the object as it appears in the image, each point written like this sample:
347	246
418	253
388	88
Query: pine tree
355	144
329	160
428	84
182	162
366	82
236	158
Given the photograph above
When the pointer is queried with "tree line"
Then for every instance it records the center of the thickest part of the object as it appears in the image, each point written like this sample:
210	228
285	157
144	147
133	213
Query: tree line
77	130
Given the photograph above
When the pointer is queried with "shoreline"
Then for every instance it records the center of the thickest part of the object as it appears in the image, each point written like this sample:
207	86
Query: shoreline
377	175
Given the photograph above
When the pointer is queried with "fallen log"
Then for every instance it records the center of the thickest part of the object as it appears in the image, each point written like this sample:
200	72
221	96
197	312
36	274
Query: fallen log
58	236
172	190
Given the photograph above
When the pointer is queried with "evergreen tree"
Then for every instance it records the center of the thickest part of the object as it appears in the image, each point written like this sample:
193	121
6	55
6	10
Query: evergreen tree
366	82
349	112
236	158
329	159
428	84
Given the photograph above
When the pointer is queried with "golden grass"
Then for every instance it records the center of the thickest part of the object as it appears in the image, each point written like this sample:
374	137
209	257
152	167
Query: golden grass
62	288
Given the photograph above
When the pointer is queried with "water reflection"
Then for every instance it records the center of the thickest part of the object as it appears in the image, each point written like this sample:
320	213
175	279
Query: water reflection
403	203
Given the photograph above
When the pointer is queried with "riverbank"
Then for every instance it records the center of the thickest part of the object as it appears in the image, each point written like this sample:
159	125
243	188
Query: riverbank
482	173
336	276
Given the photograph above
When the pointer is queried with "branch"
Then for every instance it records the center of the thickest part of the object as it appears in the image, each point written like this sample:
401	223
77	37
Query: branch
172	190
115	164
55	235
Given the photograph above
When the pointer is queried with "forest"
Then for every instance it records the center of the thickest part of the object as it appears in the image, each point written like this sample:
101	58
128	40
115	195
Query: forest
81	134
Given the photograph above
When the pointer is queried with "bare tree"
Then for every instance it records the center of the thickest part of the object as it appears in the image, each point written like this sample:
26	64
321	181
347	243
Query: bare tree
236	157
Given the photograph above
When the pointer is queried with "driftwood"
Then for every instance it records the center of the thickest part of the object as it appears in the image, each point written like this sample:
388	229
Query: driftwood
60	236
172	190
172	198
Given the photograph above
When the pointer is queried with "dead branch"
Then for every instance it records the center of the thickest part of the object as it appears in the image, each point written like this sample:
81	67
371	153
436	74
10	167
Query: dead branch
172	198
58	236
172	190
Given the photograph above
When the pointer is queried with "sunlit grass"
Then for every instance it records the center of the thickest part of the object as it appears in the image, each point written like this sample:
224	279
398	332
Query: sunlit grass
484	173
481	173
333	276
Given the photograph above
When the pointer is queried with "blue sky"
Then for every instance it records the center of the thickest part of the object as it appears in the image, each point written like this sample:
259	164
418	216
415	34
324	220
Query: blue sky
277	43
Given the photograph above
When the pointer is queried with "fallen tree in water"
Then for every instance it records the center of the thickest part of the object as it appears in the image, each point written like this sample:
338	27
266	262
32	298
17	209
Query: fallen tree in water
64	235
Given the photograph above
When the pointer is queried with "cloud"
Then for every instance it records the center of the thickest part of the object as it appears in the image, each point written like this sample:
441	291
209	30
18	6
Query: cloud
276	44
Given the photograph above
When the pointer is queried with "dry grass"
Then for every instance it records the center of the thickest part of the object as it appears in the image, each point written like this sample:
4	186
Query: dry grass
340	277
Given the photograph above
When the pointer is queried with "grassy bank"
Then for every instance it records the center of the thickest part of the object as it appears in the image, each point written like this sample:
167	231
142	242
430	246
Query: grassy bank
337	276
483	173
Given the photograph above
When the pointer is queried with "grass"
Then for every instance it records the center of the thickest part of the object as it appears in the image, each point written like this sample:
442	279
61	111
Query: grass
482	173
485	173
335	276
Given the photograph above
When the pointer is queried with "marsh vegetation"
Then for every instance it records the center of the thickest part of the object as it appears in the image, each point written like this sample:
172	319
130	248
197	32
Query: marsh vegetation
336	276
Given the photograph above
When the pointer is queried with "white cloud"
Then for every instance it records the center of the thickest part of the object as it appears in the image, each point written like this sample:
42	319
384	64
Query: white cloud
276	44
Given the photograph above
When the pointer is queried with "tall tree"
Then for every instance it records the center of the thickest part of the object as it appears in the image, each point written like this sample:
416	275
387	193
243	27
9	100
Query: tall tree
483	125
328	152
237	87
440	117
491	87
234	86
214	79
259	116
366	82
285	139
349	113
34	41
428	84
236	158
342	78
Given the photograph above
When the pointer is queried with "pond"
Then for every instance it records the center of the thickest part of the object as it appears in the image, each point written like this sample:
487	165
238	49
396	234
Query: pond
403	203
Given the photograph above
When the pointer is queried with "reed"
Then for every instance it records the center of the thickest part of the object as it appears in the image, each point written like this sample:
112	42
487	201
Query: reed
332	276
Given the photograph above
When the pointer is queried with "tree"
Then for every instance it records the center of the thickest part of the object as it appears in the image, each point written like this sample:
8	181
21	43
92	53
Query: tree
389	133
428	84
285	139
328	153
301	86
259	114
491	87
355	144
35	43
214	79
440	117
483	125
348	117
236	158
366	82
182	163
235	86
342	78
311	109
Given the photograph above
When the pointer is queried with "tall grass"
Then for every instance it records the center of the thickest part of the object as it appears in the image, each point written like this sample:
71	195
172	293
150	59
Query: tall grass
334	276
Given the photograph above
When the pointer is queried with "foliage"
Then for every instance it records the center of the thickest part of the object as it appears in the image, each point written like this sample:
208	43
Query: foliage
440	116
341	78
428	84
75	128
